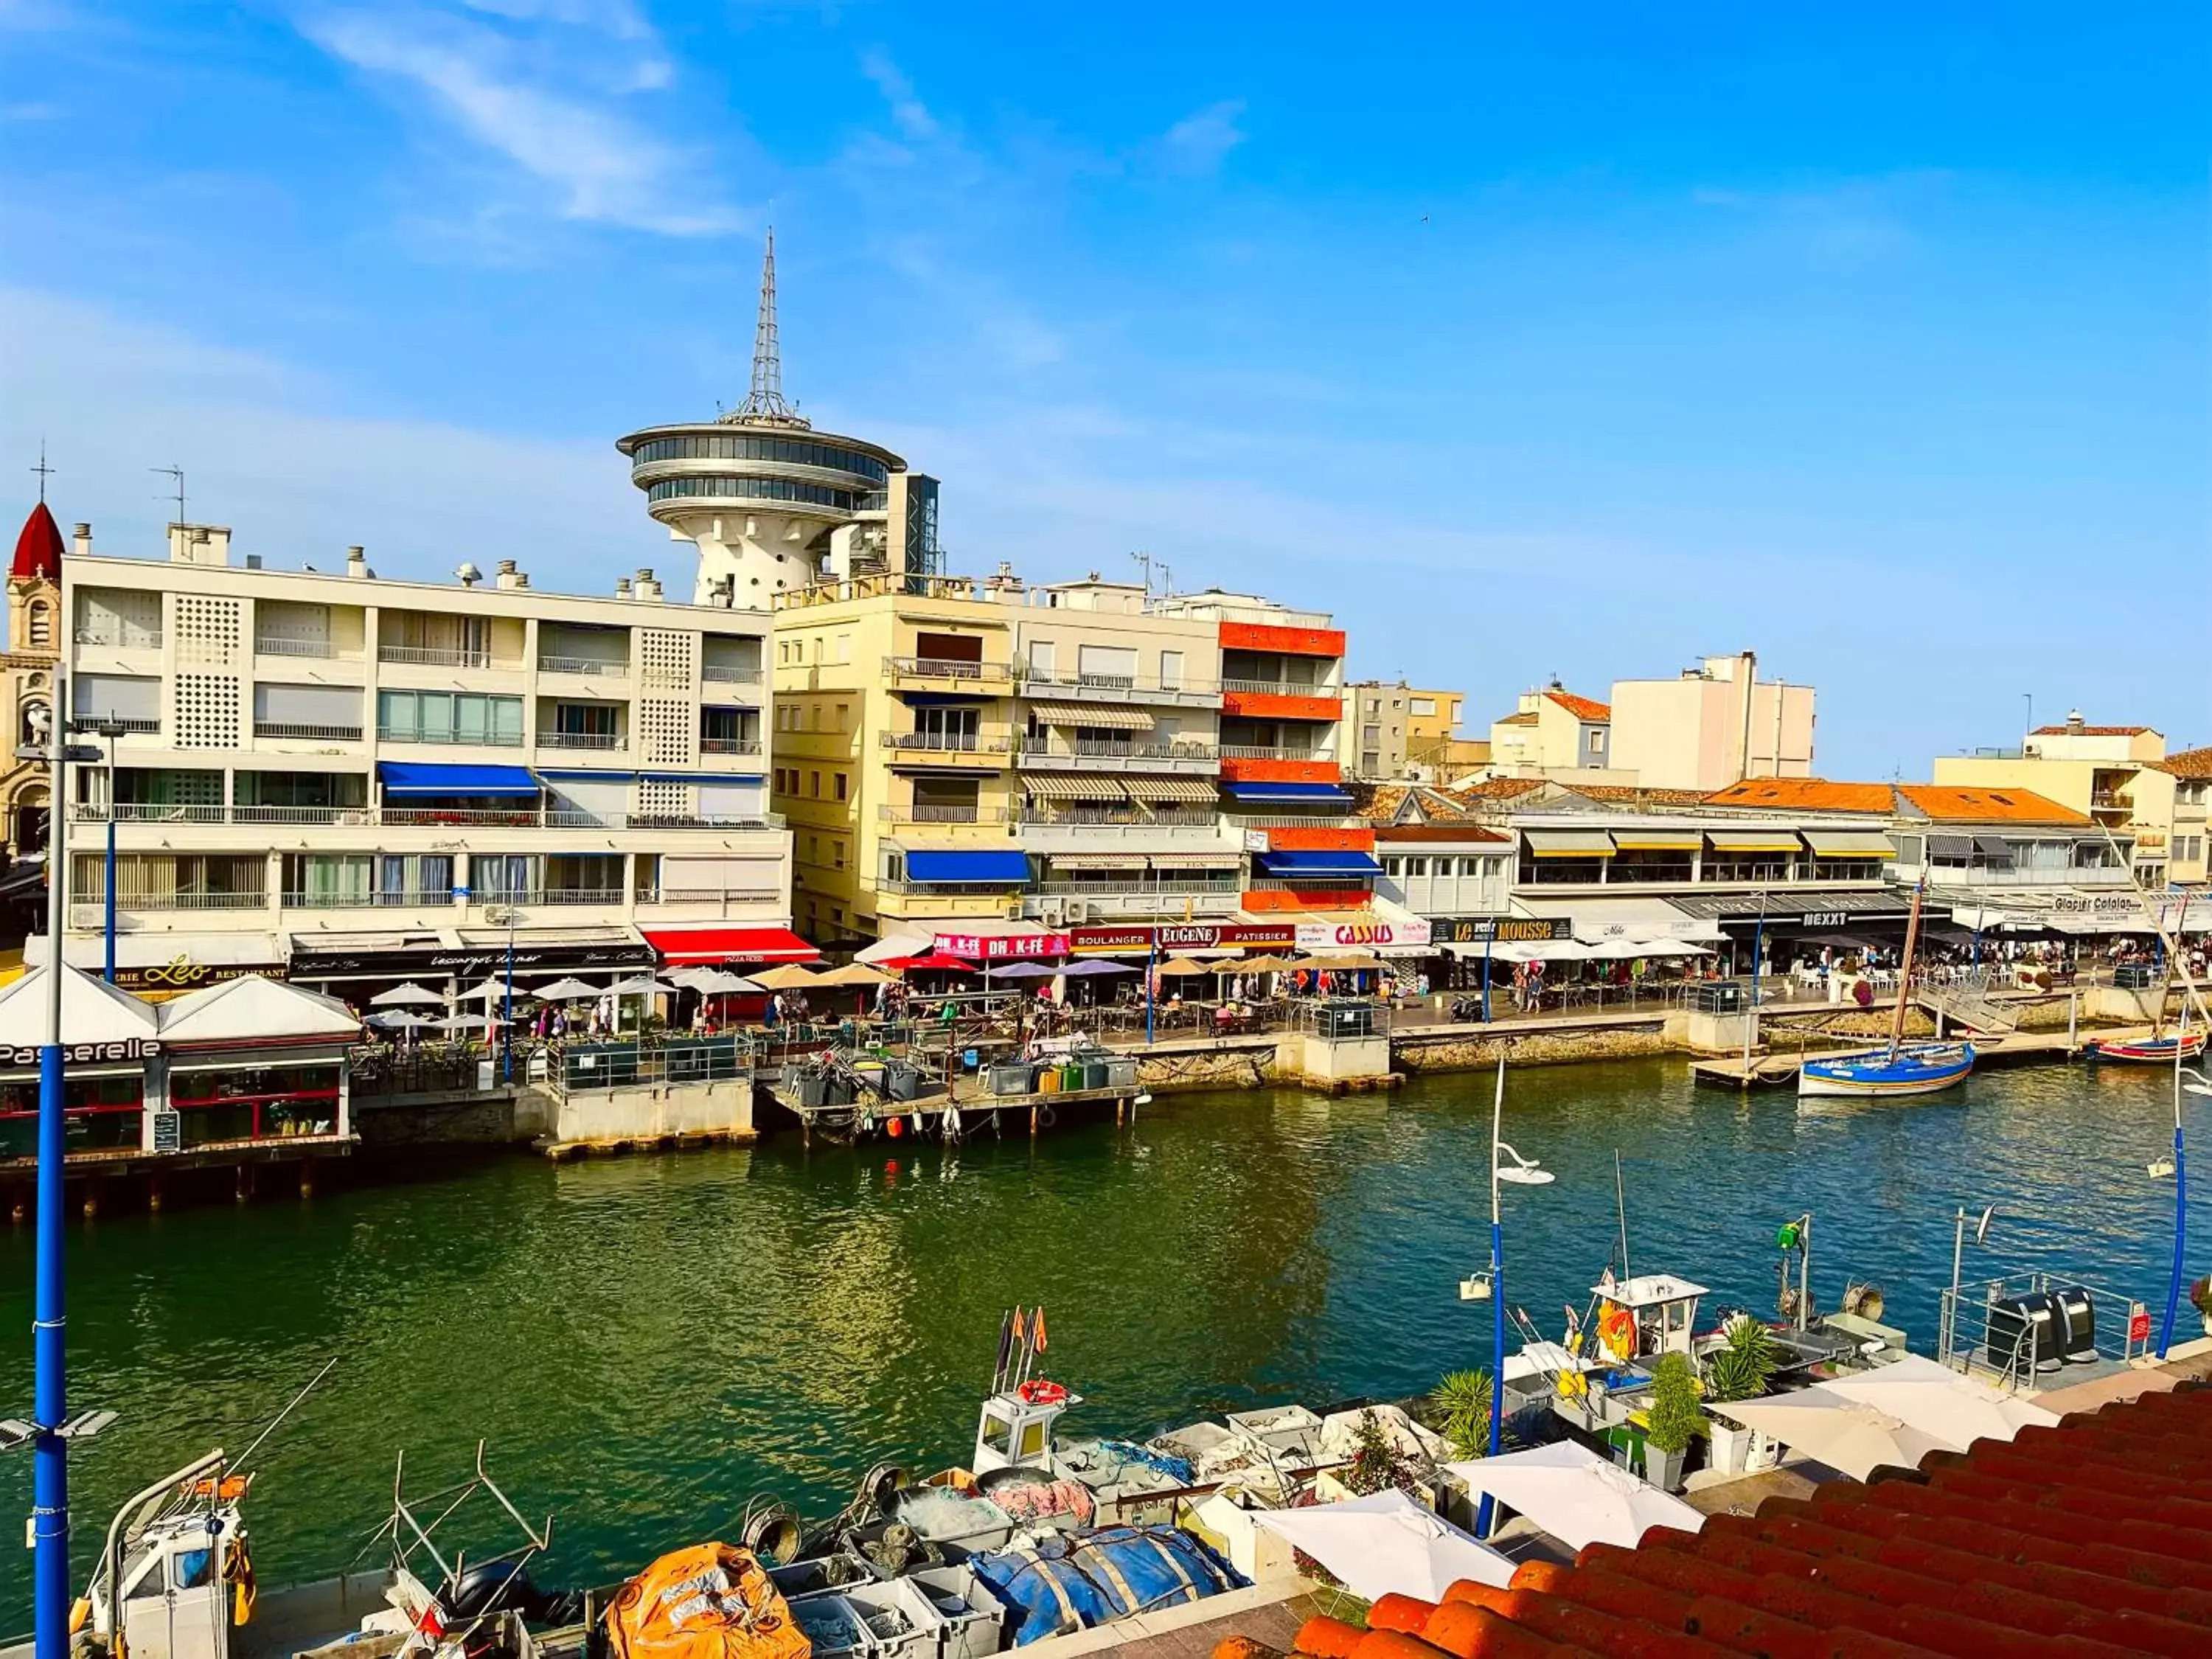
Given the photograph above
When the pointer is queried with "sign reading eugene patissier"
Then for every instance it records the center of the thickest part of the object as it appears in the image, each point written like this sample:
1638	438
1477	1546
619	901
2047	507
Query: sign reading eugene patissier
1180	936
1372	935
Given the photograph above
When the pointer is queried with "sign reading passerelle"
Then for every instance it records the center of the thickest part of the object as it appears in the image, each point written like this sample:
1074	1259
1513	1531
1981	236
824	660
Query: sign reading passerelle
84	1053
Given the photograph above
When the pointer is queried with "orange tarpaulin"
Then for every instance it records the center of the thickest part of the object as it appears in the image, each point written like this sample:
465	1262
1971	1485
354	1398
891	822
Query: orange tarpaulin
710	1602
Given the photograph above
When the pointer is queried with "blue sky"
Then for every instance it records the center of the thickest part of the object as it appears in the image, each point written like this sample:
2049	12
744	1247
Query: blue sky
1529	340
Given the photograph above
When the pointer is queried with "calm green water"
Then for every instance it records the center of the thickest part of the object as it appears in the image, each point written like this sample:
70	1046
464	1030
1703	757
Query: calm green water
647	1342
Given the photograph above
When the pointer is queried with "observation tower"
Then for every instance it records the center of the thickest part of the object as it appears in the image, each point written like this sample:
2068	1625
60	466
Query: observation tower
773	504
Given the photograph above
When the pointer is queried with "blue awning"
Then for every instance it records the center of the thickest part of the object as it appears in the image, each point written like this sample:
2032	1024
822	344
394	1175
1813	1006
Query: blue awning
430	778
1346	863
1321	794
1003	865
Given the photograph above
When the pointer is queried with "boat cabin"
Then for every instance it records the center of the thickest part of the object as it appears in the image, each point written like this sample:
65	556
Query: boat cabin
1639	1319
1015	1429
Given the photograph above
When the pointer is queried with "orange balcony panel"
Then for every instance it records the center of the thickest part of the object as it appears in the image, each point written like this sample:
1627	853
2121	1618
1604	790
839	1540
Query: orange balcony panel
1289	641
1269	706
1289	901
1241	770
1321	841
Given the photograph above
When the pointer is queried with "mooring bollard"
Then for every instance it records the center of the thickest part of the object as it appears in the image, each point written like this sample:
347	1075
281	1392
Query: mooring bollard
1033	1122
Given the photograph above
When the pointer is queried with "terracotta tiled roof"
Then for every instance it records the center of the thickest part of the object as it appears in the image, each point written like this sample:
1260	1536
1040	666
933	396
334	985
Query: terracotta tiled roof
1953	804
1492	789
2091	1538
38	547
2091	730
2189	763
1805	795
1379	802
1581	707
1515	720
1446	830
1625	794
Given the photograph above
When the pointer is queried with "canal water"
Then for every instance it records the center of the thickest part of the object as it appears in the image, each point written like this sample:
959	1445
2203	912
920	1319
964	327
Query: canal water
645	1343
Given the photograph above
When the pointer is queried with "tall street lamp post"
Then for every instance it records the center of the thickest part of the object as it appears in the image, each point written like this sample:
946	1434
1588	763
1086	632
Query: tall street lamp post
1525	1172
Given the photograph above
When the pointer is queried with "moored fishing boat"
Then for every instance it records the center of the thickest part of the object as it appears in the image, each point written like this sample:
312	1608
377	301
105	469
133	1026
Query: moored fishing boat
1900	1069
2152	1050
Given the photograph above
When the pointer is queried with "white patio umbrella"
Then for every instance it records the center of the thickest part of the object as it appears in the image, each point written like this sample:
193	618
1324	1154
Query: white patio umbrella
397	1019
1847	1434
1617	950
399	994
461	1023
643	985
1576	1496
1389	1543
1935	1400
567	990
716	982
496	987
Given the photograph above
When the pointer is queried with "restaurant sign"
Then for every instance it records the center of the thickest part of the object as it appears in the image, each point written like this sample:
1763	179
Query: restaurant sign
123	1052
1170	937
1002	947
181	973
442	959
1363	935
1499	930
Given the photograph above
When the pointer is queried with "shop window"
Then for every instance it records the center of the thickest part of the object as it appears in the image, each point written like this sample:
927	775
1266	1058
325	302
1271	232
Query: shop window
100	1114
255	1102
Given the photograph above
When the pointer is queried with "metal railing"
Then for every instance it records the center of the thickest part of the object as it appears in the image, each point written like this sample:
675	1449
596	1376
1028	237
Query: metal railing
946	743
947	668
555	664
86	721
722	674
1106	749
1271	751
1139	884
892	812
603	740
133	811
729	745
1044	682
388	734
577	1066
300	729
515	817
94	902
122	639
276	647
1168	817
1283	689
437	656
710	896
2015	876
1975	1333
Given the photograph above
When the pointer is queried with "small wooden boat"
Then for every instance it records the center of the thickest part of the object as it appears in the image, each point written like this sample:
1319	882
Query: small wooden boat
2153	1050
1919	1068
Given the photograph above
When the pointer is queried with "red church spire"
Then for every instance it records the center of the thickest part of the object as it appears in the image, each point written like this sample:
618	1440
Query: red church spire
39	548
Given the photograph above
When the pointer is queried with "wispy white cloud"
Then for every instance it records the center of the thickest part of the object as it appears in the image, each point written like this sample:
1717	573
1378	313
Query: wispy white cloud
912	115
1202	140
1848	218
547	106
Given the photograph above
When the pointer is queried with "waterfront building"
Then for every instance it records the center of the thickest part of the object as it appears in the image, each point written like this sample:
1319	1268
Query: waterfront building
1553	730
2191	865
350	778
34	590
2112	773
1712	726
1393	731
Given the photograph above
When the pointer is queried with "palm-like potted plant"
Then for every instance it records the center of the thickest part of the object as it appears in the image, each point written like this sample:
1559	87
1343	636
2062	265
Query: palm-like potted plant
1462	1403
1741	1369
1673	1421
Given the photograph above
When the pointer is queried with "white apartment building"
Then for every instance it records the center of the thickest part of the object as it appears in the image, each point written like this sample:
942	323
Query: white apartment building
352	779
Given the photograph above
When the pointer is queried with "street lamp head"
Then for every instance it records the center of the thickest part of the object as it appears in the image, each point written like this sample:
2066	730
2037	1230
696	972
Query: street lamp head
1524	1172
1982	1225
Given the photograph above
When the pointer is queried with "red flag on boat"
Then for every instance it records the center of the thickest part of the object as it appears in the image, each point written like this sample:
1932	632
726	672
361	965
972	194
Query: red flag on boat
1036	1329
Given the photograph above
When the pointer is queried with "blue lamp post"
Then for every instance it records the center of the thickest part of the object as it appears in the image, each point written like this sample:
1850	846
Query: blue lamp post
1524	1172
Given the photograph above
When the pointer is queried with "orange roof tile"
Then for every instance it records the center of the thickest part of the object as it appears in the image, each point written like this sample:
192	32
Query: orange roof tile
1515	720
1956	803
1630	795
1581	707
2189	763
1805	795
1492	789
2091	730
2089	1537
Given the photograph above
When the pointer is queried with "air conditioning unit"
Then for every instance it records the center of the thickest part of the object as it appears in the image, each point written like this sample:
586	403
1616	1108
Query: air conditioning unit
1054	912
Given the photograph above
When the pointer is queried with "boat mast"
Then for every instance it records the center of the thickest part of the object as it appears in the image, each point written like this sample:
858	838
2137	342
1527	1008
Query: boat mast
1905	978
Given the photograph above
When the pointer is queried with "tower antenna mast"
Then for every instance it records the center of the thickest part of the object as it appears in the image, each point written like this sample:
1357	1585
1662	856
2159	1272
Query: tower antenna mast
176	475
44	472
765	400
1145	563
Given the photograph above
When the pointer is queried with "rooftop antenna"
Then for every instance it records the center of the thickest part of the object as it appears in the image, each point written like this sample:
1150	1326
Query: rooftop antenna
765	401
1167	581
44	472
1144	561
176	475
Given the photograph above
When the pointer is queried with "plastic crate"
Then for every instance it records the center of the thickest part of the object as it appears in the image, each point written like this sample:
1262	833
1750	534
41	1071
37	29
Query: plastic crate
834	1625
1121	1073
975	1619
902	1617
1012	1078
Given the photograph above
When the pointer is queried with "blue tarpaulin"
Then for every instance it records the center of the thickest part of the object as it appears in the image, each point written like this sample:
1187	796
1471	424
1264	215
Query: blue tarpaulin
1326	795
1345	863
432	778
1082	1580
1001	865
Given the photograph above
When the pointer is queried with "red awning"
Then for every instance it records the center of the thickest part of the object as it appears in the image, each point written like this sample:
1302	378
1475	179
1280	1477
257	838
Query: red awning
937	959
695	947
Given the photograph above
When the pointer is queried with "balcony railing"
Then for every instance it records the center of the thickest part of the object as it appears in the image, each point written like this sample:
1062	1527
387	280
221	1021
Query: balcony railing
563	896
1107	748
729	745
723	673
1165	819
130	901
710	896
88	721
308	732
279	646
136	812
1283	689
125	639
946	743
514	817
602	741
613	668
946	668
436	656
1271	752
1140	883
393	734
892	813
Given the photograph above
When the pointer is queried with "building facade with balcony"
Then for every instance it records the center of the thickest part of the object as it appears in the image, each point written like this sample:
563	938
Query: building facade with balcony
341	777
2111	774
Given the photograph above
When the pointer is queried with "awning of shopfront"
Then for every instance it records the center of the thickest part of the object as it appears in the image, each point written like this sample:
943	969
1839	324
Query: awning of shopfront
1225	859
979	865
1995	849
1100	716
1849	844
1597	919
1656	840
1950	846
1048	786
93	1011
256	1013
1097	861
1190	791
1569	843
427	778
1340	862
1306	794
695	947
1752	841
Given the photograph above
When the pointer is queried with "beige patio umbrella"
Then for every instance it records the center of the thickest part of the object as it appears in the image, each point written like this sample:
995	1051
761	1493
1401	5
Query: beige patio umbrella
1935	1400
1180	966
1847	1434
791	977
857	975
1262	963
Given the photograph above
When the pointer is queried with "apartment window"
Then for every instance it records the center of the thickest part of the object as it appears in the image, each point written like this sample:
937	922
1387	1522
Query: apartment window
814	785
1596	744
1423	706
1106	664
314	879
813	850
843	780
1394	866
410	878
1370	762
1370	736
844	648
836	854
500	877
1170	671
585	719
42	628
1041	656
844	717
459	717
1417	867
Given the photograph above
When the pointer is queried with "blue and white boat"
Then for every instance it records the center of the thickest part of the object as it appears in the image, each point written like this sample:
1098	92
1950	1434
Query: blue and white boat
1901	1068
1919	1068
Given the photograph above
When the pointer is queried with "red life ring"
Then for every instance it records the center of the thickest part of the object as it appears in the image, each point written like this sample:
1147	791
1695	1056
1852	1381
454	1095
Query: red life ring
1041	1391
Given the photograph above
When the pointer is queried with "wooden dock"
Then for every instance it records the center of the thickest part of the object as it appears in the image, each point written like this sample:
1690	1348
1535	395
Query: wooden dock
1996	1049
